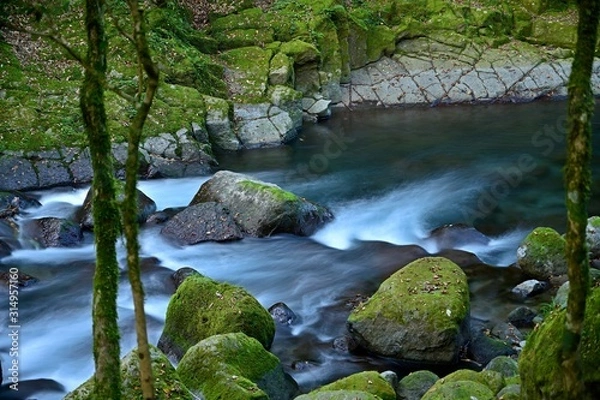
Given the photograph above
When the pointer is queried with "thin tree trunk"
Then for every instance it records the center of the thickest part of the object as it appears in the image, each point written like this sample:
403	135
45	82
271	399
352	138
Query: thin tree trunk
105	210
130	202
577	183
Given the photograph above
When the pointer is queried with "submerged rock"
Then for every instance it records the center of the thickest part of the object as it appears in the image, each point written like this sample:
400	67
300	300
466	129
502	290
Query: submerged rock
420	313
282	314
454	236
541	255
234	366
260	208
202	307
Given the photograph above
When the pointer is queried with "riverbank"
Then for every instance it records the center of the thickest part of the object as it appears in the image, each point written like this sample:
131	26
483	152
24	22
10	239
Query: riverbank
249	77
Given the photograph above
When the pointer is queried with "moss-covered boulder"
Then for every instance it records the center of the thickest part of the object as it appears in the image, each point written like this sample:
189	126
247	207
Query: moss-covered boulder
167	385
338	395
459	390
492	379
506	366
553	31
539	364
202	307
414	385
541	255
260	208
420	313
367	381
234	366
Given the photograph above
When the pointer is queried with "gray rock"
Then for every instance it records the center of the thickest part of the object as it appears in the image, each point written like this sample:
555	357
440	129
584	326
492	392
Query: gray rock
182	274
199	133
592	234
219	125
53	232
522	317
201	223
17	173
529	288
52	173
260	208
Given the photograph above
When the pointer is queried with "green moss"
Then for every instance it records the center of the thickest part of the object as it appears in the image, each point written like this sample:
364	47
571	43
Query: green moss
301	52
367	381
249	67
539	363
202	307
430	283
167	384
542	253
492	379
274	191
552	32
381	40
229	366
459	390
250	27
338	395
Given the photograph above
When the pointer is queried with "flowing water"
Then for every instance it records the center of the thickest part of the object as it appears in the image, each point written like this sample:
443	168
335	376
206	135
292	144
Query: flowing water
390	177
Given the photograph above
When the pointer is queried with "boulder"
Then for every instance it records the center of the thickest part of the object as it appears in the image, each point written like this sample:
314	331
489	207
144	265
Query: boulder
506	366
459	390
167	384
416	384
338	395
492	379
234	366
420	313
260	208
146	206
540	362
483	346
201	223
202	307
282	314
53	232
541	255
522	317
529	288
454	236
366	381
182	274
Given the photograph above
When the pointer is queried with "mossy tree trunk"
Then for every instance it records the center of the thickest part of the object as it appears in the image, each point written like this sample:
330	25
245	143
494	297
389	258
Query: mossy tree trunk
105	209
577	184
130	202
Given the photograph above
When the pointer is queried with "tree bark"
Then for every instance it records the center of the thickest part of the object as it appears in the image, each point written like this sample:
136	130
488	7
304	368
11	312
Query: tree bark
105	210
577	184
130	203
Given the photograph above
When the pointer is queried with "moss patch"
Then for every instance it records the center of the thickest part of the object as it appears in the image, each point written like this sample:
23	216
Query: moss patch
368	381
202	307
227	366
273	191
539	363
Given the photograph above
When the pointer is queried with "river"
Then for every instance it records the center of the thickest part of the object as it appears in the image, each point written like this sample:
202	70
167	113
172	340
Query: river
390	176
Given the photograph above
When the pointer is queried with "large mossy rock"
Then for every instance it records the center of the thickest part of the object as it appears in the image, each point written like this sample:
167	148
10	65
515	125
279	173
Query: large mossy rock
167	385
420	313
202	307
541	255
367	381
492	379
539	364
260	208
234	366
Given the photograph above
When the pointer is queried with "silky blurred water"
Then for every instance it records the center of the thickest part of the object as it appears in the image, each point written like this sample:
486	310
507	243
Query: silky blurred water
390	176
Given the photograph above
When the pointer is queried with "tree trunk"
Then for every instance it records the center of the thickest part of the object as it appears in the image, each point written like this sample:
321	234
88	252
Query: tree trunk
130	203
577	184
105	210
